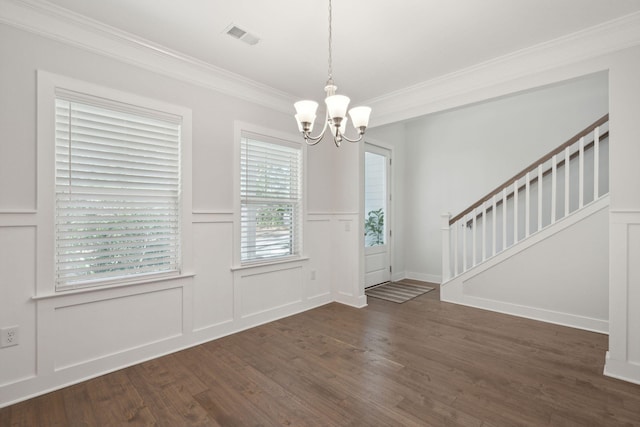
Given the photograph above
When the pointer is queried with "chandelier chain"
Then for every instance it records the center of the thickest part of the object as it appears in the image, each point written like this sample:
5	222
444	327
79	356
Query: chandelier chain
330	70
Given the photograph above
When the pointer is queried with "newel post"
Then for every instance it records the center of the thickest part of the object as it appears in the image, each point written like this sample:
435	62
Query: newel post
446	246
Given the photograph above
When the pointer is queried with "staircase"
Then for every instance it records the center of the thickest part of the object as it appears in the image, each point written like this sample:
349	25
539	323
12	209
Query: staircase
518	249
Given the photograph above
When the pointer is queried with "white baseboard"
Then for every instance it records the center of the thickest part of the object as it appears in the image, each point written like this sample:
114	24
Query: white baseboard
622	370
398	276
359	301
534	313
424	277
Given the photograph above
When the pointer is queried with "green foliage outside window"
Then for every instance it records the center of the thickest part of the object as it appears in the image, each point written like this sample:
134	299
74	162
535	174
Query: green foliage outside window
374	227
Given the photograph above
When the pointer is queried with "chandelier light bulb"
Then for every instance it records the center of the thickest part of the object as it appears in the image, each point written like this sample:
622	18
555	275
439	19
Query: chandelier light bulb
360	116
306	111
337	105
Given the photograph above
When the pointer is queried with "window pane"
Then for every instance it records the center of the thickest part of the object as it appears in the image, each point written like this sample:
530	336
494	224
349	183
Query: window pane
375	199
270	200
117	195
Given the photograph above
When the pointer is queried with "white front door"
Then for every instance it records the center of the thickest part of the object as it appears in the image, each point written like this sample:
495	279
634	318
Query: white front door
376	215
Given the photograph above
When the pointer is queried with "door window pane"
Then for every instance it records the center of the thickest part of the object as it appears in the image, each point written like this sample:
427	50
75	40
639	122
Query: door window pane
375	199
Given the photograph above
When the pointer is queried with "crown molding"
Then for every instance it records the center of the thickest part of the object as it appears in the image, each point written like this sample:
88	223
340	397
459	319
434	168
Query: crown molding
497	76
51	21
489	79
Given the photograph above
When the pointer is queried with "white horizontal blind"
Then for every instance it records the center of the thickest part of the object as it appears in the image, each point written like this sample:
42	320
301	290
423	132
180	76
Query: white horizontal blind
270	193
117	194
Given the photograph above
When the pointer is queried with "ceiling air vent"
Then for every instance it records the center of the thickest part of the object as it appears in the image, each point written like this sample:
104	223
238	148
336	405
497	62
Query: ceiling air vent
242	35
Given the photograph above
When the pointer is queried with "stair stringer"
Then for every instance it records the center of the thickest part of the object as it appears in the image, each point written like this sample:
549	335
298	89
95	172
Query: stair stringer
557	275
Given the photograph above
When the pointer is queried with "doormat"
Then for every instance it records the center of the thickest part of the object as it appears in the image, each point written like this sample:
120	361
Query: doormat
398	292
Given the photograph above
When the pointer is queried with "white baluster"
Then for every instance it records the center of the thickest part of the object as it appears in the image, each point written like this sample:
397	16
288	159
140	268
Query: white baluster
527	205
446	247
539	197
464	243
455	248
515	212
474	250
484	231
596	163
554	184
581	174
504	218
494	214
567	159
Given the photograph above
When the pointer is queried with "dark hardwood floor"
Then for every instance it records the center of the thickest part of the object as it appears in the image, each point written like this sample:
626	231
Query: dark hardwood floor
419	363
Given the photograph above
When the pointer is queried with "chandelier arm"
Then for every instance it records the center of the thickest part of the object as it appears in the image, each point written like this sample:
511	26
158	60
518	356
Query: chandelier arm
312	142
314	139
317	138
353	140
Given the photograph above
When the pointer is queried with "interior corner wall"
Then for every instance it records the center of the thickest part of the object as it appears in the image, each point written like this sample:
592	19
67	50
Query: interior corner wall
69	338
455	157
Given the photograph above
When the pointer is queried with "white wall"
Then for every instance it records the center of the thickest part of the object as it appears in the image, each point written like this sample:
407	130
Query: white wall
623	359
347	247
69	337
455	157
559	275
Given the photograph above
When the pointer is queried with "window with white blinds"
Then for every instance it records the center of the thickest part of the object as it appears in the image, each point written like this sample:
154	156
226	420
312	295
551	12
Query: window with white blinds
270	199
117	183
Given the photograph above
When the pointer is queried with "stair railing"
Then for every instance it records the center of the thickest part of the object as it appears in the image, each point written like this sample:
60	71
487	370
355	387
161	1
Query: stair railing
562	181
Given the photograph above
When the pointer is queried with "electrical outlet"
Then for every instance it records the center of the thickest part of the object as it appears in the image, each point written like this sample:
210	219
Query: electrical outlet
9	336
313	275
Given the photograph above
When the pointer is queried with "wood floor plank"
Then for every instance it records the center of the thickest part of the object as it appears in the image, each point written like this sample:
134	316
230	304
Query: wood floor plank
78	406
170	403
116	401
50	411
279	404
221	400
420	363
22	414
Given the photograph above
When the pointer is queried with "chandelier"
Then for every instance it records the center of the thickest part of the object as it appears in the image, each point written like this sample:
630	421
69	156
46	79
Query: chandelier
336	110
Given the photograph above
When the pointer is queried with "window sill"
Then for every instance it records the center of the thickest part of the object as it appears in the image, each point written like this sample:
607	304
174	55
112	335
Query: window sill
90	289
269	263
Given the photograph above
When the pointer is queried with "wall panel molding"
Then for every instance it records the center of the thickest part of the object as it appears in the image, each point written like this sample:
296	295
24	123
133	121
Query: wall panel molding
18	219
212	216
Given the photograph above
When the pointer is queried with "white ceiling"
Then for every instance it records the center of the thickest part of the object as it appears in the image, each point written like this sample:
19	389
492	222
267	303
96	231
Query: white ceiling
379	46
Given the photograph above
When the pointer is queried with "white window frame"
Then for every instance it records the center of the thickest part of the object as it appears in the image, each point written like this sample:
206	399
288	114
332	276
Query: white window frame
242	129
49	86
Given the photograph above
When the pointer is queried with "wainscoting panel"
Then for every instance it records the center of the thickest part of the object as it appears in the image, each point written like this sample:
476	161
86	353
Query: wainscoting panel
346	265
260	291
86	332
318	283
17	285
213	285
